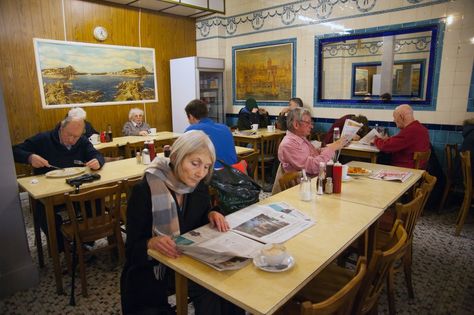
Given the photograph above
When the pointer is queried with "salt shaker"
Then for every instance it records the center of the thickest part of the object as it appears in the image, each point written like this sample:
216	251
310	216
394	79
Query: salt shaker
328	187
305	187
146	156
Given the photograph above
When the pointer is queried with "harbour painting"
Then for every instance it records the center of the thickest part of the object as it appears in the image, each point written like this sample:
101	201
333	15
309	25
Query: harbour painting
264	71
82	74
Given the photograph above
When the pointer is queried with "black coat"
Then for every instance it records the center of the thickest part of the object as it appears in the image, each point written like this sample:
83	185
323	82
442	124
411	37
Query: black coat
48	146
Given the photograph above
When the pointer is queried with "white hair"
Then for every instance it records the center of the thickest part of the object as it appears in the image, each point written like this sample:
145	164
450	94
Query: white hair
77	112
134	111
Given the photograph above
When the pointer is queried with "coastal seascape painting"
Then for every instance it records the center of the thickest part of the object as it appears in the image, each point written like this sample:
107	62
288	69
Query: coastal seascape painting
82	74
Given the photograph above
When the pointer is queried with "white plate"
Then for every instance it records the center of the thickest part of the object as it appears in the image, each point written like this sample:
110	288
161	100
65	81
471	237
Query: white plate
65	172
288	263
367	172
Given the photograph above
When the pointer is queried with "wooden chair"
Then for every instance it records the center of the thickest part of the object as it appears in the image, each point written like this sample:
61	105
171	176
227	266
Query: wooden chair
421	159
379	270
313	299
131	149
127	185
93	215
289	180
452	154
269	149
252	162
408	214
111	153
468	192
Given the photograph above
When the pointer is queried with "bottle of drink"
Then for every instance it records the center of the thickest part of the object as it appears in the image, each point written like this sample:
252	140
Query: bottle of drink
321	178
329	168
103	138
139	158
109	133
337	178
167	150
336	134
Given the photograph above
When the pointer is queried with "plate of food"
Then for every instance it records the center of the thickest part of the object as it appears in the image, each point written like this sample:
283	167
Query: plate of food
65	172
358	171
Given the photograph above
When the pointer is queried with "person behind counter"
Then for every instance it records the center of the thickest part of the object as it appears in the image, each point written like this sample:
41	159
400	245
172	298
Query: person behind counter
172	198
58	147
251	114
135	126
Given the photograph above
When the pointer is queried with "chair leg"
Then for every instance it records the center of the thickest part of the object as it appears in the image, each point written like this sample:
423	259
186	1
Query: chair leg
407	262
463	212
67	255
72	300
82	269
447	188
391	292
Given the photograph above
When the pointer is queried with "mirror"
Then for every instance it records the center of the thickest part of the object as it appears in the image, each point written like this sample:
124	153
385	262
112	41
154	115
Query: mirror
393	66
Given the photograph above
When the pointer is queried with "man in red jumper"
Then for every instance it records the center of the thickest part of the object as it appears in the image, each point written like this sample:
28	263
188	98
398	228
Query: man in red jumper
413	137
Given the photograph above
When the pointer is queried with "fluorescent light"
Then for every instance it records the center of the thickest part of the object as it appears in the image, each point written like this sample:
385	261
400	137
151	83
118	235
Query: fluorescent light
449	20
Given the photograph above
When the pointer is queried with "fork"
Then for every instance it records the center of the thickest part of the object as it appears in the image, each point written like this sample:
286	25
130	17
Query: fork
79	162
56	167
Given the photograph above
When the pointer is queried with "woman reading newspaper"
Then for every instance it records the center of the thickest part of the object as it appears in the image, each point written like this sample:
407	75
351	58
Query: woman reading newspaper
171	199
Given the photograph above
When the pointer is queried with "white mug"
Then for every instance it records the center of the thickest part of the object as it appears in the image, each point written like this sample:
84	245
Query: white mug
94	139
152	131
254	127
345	168
271	128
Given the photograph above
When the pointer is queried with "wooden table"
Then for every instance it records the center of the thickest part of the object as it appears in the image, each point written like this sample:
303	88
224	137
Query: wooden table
257	140
373	192
50	192
243	150
162	137
355	149
338	224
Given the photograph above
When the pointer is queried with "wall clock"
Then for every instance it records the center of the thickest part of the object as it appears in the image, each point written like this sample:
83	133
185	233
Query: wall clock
100	33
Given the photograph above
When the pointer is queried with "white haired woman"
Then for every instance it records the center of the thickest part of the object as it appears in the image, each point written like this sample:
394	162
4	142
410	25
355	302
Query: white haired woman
135	126
172	198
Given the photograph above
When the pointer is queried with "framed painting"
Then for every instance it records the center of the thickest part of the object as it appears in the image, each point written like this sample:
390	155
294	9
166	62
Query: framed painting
361	82
264	71
82	74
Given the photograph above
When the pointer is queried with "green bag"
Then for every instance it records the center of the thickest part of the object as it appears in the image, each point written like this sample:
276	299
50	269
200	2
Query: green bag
235	190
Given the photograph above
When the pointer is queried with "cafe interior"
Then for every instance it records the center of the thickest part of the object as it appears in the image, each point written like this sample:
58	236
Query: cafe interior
339	57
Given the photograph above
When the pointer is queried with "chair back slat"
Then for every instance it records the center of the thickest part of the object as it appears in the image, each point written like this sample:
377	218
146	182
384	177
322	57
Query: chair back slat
131	149
411	211
421	159
467	180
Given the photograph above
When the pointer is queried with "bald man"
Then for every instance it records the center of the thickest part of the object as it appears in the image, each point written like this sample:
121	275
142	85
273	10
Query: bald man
413	137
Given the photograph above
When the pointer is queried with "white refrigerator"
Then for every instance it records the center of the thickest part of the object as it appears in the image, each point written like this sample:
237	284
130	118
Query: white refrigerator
196	78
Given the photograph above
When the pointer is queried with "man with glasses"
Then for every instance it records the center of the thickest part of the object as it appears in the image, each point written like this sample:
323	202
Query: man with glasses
296	152
58	148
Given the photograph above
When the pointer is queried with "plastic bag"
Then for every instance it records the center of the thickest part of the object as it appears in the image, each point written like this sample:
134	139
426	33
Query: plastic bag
235	190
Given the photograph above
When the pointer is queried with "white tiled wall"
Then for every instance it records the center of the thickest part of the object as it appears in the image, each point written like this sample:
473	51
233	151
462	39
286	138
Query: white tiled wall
456	63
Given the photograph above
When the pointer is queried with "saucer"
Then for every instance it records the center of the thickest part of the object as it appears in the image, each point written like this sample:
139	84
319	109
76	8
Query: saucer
347	179
287	263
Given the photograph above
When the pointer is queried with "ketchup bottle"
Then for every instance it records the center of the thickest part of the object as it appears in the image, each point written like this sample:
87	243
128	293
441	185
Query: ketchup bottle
337	177
151	148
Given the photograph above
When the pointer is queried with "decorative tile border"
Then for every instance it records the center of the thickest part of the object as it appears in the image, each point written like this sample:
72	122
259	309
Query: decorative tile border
296	14
387	28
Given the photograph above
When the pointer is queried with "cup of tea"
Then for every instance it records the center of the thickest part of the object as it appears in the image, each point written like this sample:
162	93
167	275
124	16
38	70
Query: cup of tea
273	254
271	128
254	127
94	139
345	169
152	131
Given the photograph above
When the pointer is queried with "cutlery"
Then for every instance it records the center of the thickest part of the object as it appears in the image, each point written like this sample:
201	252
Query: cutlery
56	167
79	162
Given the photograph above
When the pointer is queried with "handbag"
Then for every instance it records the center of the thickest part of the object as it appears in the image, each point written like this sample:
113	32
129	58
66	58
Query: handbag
235	190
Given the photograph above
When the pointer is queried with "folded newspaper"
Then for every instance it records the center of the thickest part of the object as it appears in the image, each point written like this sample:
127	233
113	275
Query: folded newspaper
251	228
391	175
368	138
350	129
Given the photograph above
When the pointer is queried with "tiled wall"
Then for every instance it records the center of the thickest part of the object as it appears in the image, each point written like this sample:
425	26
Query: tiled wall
248	21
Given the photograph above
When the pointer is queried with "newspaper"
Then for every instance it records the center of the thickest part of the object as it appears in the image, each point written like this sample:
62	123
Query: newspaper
350	129
392	175
368	138
251	228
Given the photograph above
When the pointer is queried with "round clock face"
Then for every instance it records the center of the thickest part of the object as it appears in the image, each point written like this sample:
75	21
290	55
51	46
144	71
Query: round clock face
100	33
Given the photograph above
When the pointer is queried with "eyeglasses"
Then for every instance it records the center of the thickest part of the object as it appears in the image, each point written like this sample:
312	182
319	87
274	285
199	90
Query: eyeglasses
308	122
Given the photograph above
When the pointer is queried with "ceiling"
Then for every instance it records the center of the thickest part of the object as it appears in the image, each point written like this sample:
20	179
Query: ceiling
189	8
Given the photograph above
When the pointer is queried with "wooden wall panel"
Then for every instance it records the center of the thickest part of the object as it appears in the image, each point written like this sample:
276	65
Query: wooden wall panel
22	20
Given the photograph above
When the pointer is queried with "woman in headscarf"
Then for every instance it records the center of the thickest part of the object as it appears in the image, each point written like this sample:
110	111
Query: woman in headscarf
172	199
251	114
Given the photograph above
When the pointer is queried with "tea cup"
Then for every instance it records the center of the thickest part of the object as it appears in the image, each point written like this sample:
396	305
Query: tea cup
152	131
254	127
273	254
271	128
94	139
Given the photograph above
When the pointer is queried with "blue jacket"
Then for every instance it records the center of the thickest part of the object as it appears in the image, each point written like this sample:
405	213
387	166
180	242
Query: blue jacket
221	137
47	145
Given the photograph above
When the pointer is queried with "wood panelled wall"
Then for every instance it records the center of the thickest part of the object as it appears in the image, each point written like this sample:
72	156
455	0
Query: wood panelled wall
22	20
